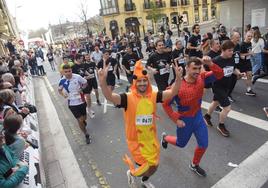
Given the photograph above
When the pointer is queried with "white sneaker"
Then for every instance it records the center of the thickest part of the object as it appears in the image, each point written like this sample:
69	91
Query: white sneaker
91	113
147	184
131	180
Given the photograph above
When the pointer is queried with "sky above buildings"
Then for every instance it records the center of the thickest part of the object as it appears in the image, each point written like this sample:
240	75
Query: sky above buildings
34	14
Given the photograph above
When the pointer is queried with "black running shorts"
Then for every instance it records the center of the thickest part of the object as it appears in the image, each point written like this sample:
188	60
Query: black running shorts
79	110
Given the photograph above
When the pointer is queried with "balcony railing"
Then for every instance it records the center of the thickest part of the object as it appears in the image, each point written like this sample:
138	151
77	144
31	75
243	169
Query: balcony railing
109	11
185	2
159	4
130	7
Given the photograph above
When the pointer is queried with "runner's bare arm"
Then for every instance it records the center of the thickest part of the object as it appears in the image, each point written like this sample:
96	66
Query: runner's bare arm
169	93
108	94
60	90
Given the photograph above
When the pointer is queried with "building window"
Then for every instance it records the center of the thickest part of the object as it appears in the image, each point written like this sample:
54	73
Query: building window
204	2
109	7
213	9
205	10
205	14
174	3
196	14
195	2
185	18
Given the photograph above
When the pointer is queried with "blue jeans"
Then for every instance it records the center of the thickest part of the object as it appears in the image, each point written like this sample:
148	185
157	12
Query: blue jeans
256	63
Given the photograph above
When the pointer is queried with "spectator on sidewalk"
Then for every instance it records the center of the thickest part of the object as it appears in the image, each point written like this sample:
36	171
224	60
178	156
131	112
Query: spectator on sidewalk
50	59
41	70
8	98
12	171
16	143
32	63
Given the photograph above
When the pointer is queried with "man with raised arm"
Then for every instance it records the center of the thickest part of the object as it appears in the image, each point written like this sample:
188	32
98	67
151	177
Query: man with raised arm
140	123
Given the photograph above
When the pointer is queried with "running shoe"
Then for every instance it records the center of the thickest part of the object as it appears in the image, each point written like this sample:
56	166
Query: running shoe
131	180
147	184
207	119
231	99
164	143
98	102
91	113
265	109
88	139
250	93
218	109
198	170
222	129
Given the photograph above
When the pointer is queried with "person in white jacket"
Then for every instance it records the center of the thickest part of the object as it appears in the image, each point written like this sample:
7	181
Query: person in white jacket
257	48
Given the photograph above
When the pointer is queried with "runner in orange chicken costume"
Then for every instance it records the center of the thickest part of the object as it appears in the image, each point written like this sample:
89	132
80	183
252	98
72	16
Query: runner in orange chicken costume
139	115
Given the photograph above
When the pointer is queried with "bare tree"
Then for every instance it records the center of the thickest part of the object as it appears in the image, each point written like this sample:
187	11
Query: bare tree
83	7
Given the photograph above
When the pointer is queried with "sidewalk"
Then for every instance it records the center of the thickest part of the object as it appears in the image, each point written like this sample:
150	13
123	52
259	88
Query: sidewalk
61	167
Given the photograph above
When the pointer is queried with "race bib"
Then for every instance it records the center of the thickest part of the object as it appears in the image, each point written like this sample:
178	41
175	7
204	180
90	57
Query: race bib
144	120
111	68
164	71
236	58
181	61
228	71
91	76
132	68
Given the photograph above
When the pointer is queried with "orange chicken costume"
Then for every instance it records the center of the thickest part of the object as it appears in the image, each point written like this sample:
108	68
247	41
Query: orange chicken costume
140	126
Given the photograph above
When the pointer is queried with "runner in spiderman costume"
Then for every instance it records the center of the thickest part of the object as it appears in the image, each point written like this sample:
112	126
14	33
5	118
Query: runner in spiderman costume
188	116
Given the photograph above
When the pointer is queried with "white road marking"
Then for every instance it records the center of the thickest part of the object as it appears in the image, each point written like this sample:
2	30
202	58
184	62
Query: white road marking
259	80
105	106
252	172
263	80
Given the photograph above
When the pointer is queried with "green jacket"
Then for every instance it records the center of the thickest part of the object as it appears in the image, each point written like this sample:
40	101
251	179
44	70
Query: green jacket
7	161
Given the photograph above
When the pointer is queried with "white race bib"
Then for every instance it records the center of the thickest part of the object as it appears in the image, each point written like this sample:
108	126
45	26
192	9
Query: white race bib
236	58
164	71
111	68
91	76
144	120
228	71
132	68
181	61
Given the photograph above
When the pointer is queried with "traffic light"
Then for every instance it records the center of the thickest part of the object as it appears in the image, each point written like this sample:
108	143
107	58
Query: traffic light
180	19
174	20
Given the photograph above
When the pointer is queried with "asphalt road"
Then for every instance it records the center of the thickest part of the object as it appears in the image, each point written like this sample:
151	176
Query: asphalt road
101	162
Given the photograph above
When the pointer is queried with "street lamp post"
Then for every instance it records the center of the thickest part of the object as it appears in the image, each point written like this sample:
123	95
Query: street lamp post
243	17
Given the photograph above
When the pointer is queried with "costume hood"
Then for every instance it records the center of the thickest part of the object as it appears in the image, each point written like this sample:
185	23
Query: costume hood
140	72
